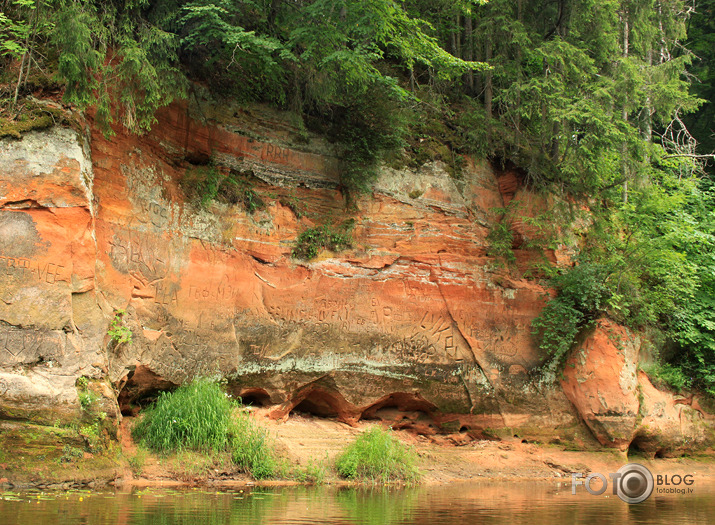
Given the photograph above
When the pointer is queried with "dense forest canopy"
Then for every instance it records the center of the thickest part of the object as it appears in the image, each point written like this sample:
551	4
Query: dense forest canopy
608	103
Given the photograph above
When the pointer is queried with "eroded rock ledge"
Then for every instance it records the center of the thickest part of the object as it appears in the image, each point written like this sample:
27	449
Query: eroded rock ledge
415	324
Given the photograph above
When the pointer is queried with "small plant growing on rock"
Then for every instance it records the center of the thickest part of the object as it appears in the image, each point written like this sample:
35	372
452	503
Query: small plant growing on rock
378	456
70	453
312	240
86	397
118	331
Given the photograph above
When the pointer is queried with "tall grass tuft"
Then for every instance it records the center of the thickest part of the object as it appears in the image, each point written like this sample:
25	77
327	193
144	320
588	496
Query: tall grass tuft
195	416
378	456
199	416
251	448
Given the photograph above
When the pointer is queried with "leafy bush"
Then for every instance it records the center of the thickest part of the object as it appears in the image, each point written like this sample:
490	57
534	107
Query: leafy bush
582	295
501	239
238	190
367	128
86	397
310	241
378	456
313	472
200	184
668	375
203	184
200	416
70	453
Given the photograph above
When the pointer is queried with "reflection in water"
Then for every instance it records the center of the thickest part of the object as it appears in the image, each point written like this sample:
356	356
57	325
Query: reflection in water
508	503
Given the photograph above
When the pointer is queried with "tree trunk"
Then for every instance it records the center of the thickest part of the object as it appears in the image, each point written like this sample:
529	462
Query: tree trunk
458	26
488	90
624	147
469	54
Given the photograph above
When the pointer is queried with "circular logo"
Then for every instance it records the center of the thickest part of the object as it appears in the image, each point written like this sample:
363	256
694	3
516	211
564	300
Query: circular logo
635	484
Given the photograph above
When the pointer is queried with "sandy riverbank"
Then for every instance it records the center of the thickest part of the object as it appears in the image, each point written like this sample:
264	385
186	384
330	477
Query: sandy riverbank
307	440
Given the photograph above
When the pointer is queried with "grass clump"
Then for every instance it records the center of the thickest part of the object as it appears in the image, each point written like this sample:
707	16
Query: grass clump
251	449
378	456
200	416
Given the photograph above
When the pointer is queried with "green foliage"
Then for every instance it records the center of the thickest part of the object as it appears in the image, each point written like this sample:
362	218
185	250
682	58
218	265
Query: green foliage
692	323
701	41
70	453
201	184
648	263
200	416
313	472
204	184
118	331
311	241
251	448
76	35
87	398
669	376
14	32
237	189
91	435
582	295
137	460
501	240
378	456
238	61
195	416
366	130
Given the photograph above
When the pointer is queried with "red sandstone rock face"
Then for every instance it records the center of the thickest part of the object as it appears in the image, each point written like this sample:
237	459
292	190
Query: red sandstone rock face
670	425
52	327
600	380
415	305
414	324
621	406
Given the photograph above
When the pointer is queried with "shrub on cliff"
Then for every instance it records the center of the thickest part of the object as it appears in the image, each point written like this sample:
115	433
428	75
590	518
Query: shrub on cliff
311	241
200	416
582	295
378	456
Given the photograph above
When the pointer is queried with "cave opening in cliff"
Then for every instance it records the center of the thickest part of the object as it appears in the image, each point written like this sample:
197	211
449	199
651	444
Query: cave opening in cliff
257	397
644	447
404	411
140	388
320	403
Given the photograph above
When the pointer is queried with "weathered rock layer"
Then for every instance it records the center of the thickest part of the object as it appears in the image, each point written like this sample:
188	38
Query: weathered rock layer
414	323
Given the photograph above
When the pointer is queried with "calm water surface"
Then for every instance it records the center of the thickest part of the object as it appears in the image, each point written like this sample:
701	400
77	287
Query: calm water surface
461	504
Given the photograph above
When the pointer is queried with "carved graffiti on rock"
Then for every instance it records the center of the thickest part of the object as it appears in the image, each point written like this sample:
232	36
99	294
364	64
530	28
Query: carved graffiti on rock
131	252
29	346
32	270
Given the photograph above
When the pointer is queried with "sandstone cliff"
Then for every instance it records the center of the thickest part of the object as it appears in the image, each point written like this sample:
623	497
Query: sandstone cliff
414	324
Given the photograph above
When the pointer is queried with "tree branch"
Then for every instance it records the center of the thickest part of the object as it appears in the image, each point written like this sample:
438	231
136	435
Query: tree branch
690	155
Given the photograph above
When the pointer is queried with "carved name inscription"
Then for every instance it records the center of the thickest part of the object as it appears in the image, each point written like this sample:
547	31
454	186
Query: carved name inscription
131	252
32	270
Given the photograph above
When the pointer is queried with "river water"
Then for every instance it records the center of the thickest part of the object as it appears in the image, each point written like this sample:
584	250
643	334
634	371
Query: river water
461	504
